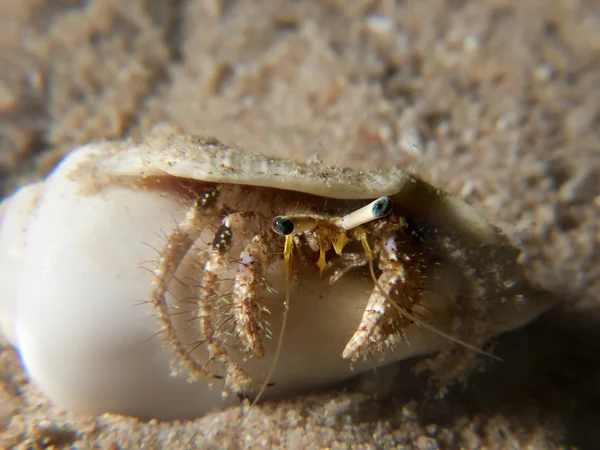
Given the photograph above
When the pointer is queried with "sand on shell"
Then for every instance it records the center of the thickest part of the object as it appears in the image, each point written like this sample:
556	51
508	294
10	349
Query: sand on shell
498	102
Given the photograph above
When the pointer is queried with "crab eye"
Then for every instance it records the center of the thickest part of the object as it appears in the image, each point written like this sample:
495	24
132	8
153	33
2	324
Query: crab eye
286	225
381	207
283	225
374	210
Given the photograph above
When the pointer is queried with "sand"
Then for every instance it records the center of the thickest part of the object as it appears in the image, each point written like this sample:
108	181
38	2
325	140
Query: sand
495	101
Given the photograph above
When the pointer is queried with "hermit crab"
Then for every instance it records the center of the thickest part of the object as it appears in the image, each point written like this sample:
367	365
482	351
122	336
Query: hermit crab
170	277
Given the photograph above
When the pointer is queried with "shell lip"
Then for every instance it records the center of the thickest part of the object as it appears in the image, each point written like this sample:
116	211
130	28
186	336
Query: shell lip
211	161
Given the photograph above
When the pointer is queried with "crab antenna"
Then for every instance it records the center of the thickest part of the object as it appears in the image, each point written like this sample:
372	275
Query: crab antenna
375	210
287	254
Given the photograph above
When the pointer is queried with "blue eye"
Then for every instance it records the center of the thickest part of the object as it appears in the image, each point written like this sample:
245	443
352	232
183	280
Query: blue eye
283	225
381	207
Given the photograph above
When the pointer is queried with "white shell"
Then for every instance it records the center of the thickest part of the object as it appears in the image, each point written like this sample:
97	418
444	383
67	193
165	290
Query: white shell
70	251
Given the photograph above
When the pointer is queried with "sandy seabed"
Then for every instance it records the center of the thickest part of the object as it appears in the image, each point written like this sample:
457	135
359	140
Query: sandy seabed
500	98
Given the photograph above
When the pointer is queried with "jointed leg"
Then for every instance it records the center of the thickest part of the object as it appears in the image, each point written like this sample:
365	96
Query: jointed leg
247	308
172	254
383	317
373	331
237	379
401	275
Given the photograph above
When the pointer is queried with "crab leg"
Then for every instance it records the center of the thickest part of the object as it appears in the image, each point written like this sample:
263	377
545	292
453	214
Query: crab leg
237	379
172	254
401	274
247	309
207	294
371	334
